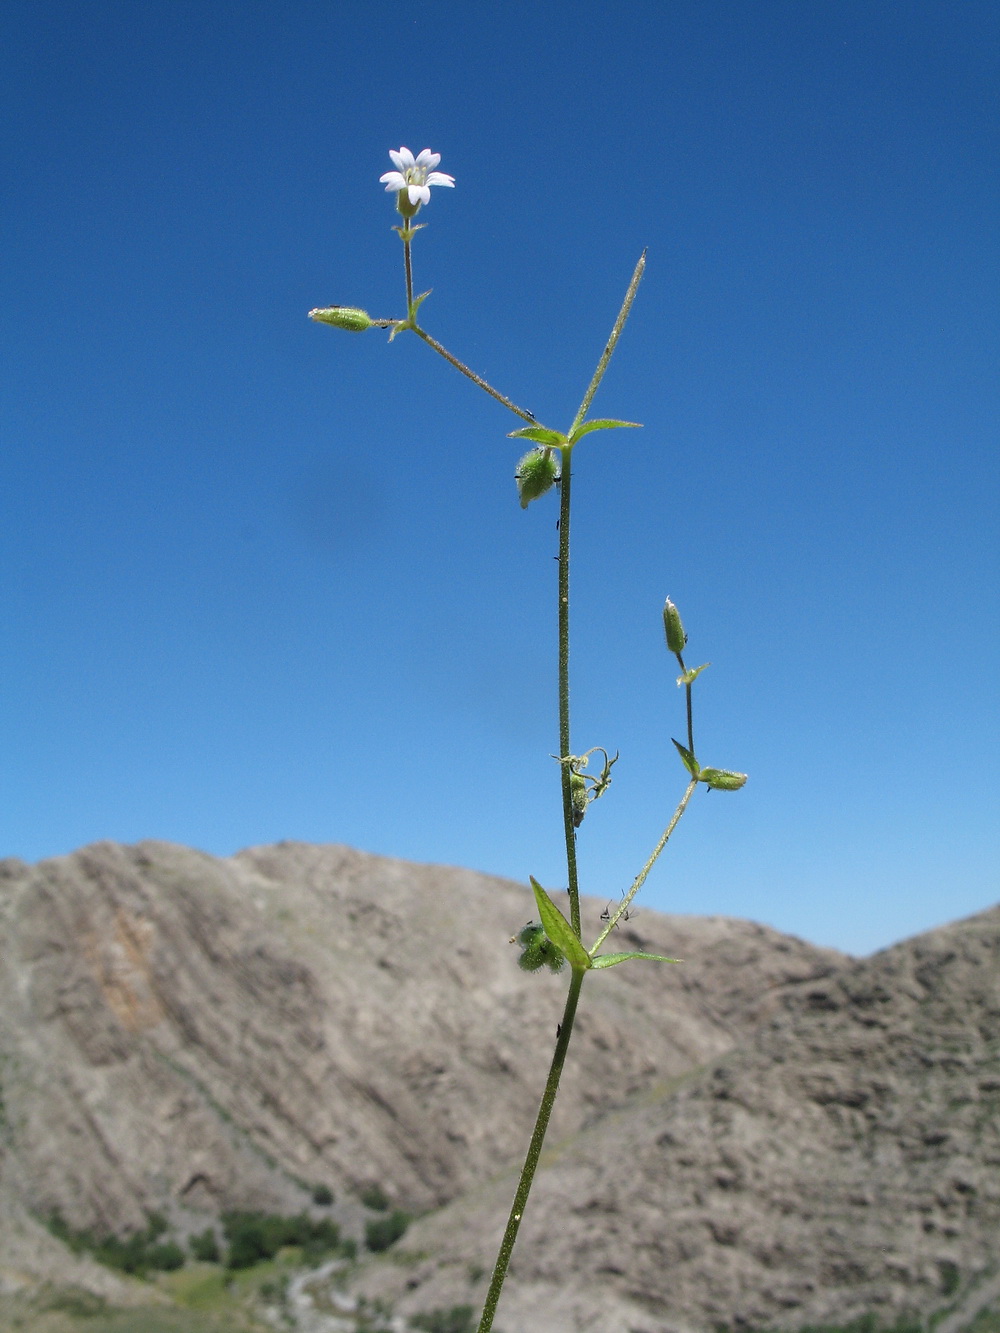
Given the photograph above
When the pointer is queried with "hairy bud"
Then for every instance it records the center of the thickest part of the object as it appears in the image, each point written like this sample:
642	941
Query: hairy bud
537	472
537	949
579	797
342	317
720	779
676	638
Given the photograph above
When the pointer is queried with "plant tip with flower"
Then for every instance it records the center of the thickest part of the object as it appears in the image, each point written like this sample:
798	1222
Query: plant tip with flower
413	179
554	939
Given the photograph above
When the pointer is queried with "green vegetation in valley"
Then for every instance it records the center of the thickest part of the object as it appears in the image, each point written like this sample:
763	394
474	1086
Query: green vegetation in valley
256	1236
375	1198
139	1254
381	1232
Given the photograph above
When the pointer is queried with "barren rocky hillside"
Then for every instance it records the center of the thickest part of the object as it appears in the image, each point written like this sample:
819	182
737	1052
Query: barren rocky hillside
188	1034
842	1161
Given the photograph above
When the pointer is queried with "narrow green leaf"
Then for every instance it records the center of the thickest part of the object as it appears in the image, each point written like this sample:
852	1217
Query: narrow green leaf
687	758
692	675
555	439
558	929
610	959
599	423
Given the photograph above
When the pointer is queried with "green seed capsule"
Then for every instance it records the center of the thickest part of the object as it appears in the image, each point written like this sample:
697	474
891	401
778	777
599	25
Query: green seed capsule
537	472
720	779
676	638
342	317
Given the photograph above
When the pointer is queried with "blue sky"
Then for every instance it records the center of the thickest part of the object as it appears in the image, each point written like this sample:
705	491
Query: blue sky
263	579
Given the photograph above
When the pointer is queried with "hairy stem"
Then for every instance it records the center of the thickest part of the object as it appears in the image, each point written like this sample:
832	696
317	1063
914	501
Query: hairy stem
569	828
533	1154
407	260
640	879
471	374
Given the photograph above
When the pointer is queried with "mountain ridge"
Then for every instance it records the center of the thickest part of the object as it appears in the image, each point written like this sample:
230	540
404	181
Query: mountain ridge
187	1034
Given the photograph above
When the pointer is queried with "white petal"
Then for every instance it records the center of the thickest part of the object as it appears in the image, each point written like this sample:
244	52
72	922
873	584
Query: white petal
393	180
419	194
397	159
403	159
425	158
439	178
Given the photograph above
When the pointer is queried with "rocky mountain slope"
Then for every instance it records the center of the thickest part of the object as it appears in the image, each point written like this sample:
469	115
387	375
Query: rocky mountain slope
188	1034
841	1161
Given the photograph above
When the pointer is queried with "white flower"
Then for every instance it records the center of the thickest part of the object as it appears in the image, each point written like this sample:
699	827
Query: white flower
415	175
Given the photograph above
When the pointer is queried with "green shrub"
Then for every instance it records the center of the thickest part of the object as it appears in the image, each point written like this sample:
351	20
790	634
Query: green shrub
165	1258
322	1196
205	1246
275	1291
137	1254
254	1237
76	1302
459	1319
375	1198
950	1277
382	1232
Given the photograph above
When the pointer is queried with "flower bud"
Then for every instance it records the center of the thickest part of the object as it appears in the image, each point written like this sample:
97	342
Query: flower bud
342	317
537	472
720	779
676	638
579	797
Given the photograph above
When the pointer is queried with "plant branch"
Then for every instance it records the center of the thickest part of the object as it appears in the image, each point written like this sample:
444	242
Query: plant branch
640	879
471	374
602	365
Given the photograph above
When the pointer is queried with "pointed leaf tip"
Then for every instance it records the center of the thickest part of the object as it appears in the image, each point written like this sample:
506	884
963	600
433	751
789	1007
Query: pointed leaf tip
687	758
555	439
558	929
600	423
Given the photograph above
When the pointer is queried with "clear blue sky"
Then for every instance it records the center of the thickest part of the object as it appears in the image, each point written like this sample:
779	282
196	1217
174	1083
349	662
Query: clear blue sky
262	579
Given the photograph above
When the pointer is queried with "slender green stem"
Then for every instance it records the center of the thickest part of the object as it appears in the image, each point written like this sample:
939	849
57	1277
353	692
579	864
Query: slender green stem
471	374
407	260
533	1154
569	828
606	355
640	879
687	690
565	1029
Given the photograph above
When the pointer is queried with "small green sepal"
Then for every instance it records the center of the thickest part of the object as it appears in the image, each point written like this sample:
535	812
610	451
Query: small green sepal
612	959
687	758
676	638
410	322
558	929
555	439
690	676
599	423
721	779
536	473
342	317
537	950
